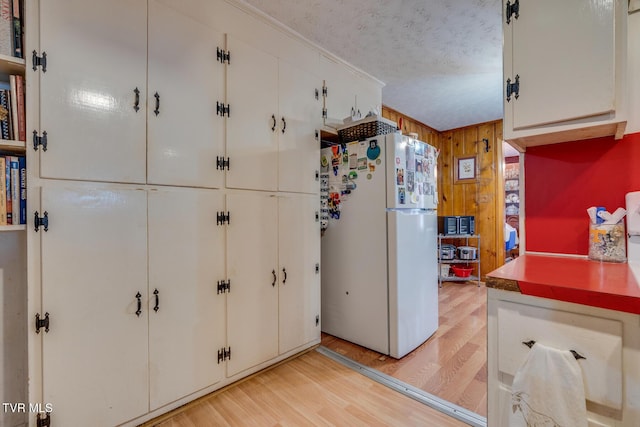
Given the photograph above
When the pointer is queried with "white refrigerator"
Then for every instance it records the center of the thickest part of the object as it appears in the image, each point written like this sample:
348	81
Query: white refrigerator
379	247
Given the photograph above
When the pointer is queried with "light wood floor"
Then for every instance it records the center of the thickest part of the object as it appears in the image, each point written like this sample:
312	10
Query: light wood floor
310	390
452	364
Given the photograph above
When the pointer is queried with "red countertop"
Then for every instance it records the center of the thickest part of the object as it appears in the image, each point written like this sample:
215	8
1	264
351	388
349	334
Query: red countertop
579	280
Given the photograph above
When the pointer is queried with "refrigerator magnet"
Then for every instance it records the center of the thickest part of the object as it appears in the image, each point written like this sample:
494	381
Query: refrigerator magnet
373	152
372	167
401	195
399	176
353	175
410	181
353	161
369	176
362	163
378	161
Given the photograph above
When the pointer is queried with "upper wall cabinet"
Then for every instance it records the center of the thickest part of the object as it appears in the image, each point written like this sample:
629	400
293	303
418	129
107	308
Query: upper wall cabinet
98	102
185	85
347	93
274	111
564	70
96	60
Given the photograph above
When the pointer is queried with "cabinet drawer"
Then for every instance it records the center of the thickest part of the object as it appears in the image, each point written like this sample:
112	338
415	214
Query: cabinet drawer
597	339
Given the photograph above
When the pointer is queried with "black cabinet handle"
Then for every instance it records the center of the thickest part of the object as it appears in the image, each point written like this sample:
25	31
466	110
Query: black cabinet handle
273	128
139	310
274	277
284	125
157	110
157	306
136	104
284	271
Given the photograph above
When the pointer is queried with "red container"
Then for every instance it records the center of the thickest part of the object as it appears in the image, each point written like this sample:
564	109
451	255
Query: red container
461	270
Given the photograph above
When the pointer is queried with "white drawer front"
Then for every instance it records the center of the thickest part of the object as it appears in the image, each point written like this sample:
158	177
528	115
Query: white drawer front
597	339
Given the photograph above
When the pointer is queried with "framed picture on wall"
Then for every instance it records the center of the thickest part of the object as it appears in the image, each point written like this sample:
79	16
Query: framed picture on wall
465	169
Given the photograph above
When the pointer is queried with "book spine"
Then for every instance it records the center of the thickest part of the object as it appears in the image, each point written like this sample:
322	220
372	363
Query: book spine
15	190
14	106
7	169
17	29
4	115
22	168
6	25
22	126
3	195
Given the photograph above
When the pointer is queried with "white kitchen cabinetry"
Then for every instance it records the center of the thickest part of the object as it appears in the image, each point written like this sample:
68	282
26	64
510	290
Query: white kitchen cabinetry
186	312
299	257
607	339
96	101
347	93
186	136
252	269
271	128
96	58
94	288
273	305
564	70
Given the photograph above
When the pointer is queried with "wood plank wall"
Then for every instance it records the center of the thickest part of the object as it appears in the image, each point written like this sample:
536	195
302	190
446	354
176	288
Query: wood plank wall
483	197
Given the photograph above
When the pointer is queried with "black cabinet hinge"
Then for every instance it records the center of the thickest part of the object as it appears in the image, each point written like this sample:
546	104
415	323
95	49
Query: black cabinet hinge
317	135
222	163
223	218
39	61
512	9
41	221
42	322
324	91
317	175
324	113
43	420
224	286
317	268
513	88
40	140
224	354
317	216
222	109
317	94
223	56
317	320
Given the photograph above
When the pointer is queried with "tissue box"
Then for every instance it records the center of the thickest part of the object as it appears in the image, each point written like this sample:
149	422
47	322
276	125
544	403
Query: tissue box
607	242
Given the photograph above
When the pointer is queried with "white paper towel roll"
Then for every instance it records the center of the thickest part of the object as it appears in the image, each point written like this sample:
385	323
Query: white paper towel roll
632	201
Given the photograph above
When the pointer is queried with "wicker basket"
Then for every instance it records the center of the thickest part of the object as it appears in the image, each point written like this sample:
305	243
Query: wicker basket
365	128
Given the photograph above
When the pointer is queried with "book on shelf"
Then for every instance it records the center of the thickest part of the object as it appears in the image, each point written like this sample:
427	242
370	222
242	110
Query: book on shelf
13	106
15	190
17	13
6	28
7	169
3	195
22	184
21	134
5	115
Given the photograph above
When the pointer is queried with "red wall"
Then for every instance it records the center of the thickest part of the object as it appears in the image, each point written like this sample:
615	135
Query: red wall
563	180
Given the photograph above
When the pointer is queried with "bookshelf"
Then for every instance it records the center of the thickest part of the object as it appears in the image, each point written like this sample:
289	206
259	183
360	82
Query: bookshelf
10	65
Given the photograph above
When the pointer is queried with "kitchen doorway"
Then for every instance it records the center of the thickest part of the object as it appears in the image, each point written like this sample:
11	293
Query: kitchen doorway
512	201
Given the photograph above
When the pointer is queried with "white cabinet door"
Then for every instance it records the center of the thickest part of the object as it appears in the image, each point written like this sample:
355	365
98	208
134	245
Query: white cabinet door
97	57
252	125
94	278
564	55
299	249
186	135
299	142
340	100
186	314
368	96
252	268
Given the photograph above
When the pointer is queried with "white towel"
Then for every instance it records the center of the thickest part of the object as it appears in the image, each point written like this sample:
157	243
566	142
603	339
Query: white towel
548	391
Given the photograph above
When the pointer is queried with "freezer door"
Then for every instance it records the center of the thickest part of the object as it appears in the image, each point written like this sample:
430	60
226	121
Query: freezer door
411	180
413	279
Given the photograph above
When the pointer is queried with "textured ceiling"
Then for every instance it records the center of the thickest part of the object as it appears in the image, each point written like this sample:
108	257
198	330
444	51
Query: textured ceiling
441	61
